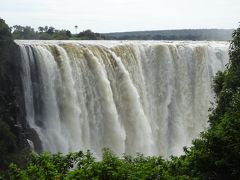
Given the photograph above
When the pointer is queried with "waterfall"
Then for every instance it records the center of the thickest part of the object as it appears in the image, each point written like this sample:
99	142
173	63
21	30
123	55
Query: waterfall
147	97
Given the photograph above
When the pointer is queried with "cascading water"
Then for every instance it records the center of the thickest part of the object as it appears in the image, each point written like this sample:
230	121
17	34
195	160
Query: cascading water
147	97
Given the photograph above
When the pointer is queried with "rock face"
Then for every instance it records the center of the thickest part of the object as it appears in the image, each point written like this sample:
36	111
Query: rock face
14	131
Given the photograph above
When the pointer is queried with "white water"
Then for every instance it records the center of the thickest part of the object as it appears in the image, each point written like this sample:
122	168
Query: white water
147	97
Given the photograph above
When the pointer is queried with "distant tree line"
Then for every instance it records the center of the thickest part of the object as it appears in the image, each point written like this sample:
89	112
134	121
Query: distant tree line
50	33
182	34
157	37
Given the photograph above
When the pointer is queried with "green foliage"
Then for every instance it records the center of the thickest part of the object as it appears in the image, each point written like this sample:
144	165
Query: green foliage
216	155
63	34
89	35
5	33
84	166
20	32
50	33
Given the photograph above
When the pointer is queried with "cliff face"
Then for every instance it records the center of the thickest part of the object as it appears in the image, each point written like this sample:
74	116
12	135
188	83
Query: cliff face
13	136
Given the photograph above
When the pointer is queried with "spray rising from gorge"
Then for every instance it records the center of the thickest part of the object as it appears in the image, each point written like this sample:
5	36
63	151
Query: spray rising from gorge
147	97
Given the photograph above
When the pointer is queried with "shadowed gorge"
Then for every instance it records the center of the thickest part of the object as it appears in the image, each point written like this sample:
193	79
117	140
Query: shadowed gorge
148	97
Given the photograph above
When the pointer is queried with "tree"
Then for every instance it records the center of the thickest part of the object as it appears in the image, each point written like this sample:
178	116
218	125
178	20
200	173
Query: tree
41	29
76	27
216	154
89	35
68	33
46	28
62	34
50	30
23	32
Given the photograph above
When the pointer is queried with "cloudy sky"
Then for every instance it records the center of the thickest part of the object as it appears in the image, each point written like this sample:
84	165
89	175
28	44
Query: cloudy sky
122	15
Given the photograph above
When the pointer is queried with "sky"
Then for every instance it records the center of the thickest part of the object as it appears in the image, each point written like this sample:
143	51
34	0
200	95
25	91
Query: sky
122	15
